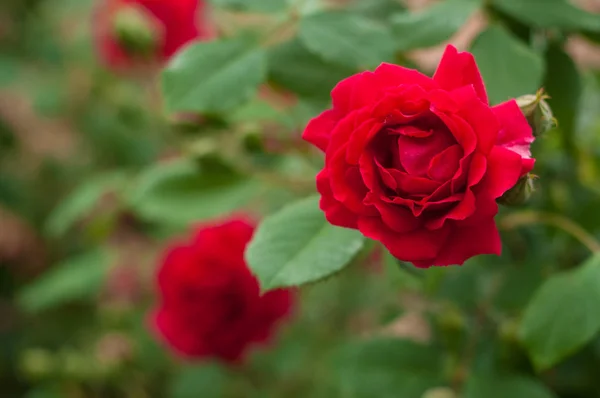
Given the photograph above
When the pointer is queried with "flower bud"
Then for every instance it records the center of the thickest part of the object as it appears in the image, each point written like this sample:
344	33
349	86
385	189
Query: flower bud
135	31
538	112
520	193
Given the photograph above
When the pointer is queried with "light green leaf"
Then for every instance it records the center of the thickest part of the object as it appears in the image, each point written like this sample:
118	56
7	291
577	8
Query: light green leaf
295	68
76	278
550	14
297	245
179	193
563	315
433	25
213	77
509	68
386	368
347	39
191	382
502	386
259	6
377	9
82	201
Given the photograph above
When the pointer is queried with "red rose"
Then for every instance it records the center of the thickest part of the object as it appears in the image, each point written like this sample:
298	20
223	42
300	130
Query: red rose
130	31
417	162
210	303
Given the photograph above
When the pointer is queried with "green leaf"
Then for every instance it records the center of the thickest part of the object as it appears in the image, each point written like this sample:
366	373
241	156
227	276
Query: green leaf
563	84
295	68
259	6
433	25
550	14
386	368
81	202
297	245
509	68
191	382
377	9
563	315
76	278
347	39
503	386
213	77
9	70
179	192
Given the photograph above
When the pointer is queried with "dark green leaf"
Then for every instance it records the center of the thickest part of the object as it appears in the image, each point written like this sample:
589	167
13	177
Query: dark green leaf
297	245
347	39
550	14
563	315
76	278
433	25
213	77
509	68
295	68
501	386
179	193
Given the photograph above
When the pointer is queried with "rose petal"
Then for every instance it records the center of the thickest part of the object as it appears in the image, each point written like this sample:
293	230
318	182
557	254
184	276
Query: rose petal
416	245
348	186
416	153
335	212
445	164
456	70
479	116
386	177
410	131
515	133
413	185
319	129
461	130
356	92
467	242
396	217
464	209
503	171
400	104
393	75
340	135
360	138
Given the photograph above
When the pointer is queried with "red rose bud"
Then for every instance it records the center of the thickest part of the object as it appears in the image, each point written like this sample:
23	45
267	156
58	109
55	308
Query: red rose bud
209	303
417	163
128	32
538	112
520	193
136	31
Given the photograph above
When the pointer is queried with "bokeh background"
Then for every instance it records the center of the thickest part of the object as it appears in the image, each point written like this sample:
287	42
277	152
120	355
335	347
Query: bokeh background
95	180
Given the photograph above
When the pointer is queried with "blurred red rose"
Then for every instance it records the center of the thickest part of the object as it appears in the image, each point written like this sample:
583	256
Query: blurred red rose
130	32
209	302
417	162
